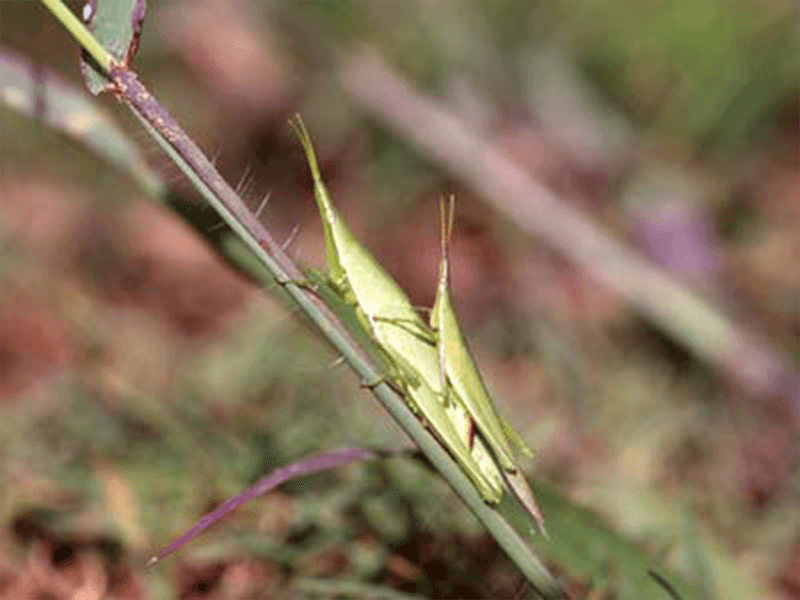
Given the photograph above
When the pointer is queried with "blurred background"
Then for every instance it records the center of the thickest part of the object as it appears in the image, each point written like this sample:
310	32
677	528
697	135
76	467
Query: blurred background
634	304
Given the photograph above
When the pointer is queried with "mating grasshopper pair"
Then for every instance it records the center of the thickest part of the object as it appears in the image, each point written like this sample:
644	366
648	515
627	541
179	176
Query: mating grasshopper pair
429	363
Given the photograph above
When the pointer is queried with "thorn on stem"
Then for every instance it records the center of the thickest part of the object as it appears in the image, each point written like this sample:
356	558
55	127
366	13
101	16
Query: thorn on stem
245	174
336	362
291	237
263	204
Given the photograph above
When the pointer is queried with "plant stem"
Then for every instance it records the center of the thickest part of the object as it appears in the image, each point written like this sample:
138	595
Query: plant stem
81	34
201	172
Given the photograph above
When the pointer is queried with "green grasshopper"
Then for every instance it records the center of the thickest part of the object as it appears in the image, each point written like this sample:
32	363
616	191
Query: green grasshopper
406	340
458	369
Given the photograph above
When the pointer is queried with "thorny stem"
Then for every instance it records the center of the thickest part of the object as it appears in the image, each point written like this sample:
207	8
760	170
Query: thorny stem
201	172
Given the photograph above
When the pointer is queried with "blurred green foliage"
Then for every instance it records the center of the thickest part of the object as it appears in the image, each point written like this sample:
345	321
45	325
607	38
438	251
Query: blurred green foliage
711	73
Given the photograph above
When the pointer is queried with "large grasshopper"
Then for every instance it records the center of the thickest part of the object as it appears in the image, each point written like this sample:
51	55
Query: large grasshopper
425	364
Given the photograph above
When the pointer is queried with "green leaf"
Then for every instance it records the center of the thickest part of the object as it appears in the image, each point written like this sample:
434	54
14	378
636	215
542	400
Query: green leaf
116	24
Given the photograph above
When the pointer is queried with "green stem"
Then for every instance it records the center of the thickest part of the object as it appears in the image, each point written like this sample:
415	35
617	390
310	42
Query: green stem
196	166
81	34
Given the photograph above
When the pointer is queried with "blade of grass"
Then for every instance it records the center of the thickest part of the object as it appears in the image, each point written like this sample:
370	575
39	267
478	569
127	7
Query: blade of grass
42	94
322	462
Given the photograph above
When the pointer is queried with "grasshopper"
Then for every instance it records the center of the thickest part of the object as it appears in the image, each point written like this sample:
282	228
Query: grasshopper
402	336
459	373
